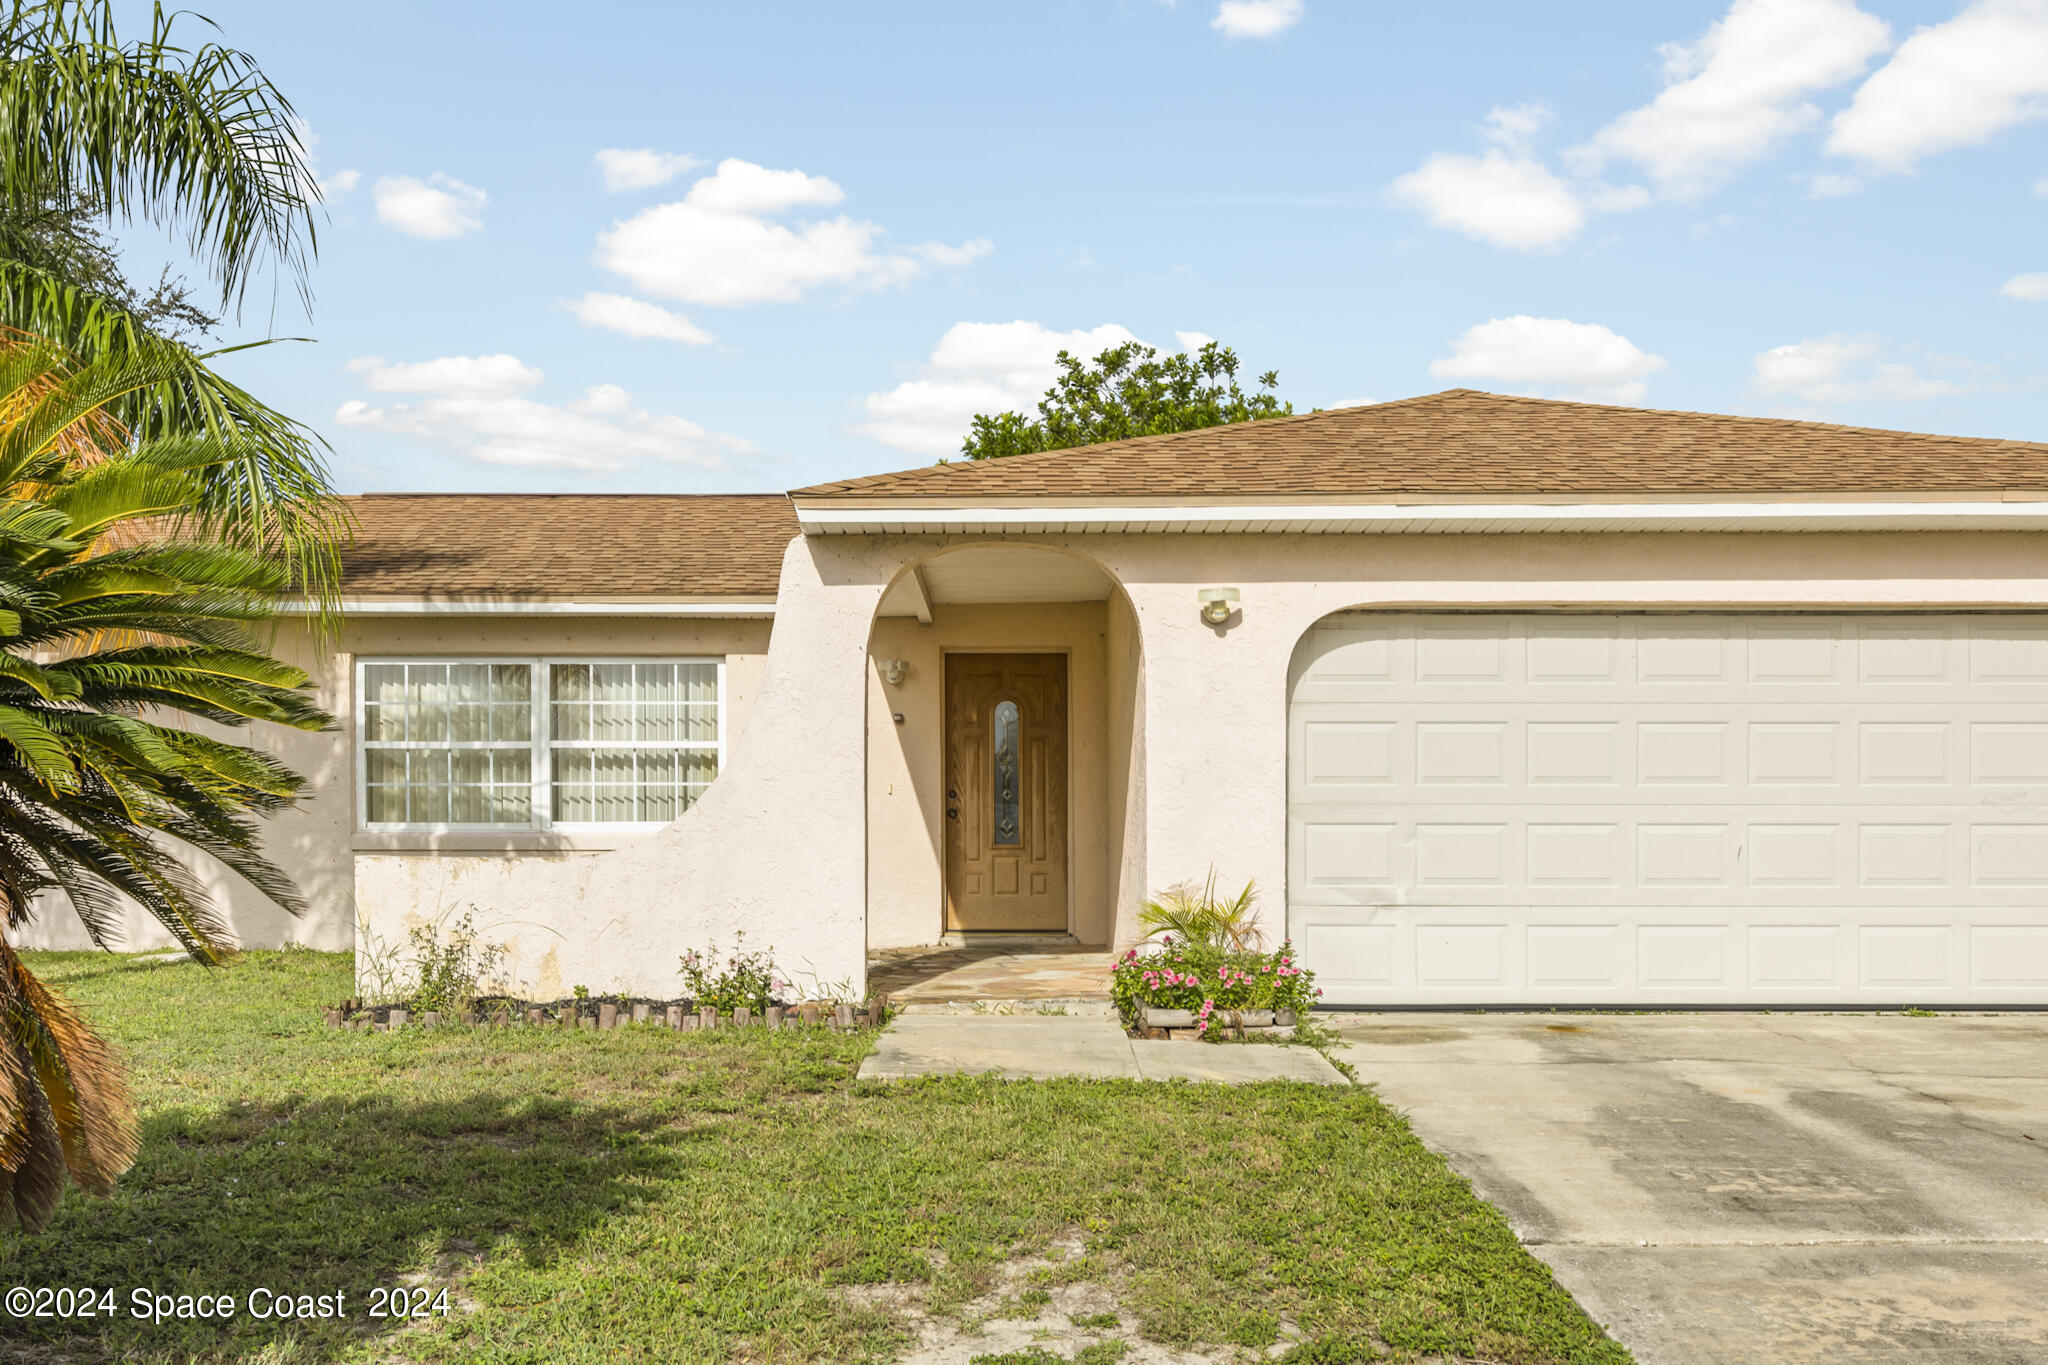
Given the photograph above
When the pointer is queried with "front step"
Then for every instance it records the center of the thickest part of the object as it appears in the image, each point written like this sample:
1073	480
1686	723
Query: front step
1072	1006
999	938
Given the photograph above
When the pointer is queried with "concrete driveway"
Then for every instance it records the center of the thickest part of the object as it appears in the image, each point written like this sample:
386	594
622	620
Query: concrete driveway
1736	1188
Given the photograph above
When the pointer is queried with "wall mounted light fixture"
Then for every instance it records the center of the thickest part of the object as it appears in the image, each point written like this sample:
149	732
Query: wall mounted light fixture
893	670
1217	604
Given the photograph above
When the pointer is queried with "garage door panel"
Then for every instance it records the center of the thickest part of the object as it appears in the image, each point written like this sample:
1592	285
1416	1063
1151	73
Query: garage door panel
1776	809
1816	856
1914	652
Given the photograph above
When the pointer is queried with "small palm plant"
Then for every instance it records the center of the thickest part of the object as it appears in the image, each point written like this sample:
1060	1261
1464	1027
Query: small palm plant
1199	919
118	631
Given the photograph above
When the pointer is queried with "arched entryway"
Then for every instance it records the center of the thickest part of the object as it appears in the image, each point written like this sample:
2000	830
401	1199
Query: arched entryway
1002	738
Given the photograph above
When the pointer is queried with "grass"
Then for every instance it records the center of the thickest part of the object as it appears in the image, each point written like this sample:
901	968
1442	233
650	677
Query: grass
648	1196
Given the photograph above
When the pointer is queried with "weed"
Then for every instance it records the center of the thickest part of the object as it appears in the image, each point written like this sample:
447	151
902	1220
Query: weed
748	979
447	972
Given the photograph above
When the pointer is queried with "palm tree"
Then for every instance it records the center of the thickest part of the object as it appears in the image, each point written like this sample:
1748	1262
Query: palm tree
197	142
118	630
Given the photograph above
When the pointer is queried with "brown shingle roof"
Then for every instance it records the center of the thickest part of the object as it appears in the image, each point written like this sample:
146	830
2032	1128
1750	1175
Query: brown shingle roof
1466	443
568	545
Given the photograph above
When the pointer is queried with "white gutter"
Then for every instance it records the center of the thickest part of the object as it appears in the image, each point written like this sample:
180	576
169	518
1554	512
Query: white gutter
850	518
515	606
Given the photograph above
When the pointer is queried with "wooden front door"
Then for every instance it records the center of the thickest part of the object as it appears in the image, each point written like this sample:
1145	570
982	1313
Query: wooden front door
1006	792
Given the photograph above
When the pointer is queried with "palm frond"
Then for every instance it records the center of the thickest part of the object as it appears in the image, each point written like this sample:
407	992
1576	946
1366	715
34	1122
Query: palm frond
84	1102
116	633
197	141
1197	917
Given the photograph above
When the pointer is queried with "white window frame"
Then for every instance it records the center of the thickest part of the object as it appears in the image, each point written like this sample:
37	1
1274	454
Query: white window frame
540	739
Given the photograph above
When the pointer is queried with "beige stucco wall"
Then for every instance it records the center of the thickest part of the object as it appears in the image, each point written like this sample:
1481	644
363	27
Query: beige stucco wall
905	780
1215	707
774	848
1205	788
779	846
318	842
1126	815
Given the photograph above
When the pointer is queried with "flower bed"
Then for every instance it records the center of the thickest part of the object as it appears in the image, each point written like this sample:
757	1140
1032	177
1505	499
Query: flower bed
609	1012
1205	992
443	984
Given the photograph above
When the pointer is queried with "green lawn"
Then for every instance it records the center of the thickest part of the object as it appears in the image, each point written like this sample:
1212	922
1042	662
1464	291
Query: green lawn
648	1196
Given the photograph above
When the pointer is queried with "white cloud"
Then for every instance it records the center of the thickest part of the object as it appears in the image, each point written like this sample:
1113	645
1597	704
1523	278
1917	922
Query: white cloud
1506	195
340	183
476	407
1951	85
1256	18
637	318
1193	341
742	187
641	168
1840	369
977	367
720	244
2041	187
1738	90
476	376
1571	359
967	253
1503	197
1832	185
435	209
2029	288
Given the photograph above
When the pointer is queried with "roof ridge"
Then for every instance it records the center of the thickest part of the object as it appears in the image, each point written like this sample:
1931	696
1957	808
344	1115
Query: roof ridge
1470	442
1035	457
1743	418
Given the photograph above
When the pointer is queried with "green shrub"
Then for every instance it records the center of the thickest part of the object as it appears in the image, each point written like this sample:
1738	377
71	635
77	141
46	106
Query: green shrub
749	979
1201	920
448	971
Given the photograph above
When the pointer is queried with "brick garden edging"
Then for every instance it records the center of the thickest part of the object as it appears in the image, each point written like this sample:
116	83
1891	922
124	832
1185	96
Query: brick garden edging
606	1015
1180	1025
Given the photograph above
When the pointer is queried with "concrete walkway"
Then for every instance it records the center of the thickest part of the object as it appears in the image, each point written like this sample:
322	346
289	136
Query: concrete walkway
991	971
1750	1189
1043	1047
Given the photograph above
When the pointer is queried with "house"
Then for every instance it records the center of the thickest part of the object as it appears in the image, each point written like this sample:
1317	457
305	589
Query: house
1498	700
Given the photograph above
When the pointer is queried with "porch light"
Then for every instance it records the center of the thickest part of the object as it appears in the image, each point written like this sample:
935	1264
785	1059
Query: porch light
1217	604
893	670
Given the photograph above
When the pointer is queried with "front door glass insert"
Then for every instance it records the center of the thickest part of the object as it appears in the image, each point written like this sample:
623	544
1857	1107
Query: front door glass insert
1006	822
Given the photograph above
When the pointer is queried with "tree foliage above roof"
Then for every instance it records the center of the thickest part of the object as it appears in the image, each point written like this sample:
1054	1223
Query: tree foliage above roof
1129	390
66	237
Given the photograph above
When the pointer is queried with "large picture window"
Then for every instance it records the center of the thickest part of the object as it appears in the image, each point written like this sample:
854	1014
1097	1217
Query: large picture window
536	743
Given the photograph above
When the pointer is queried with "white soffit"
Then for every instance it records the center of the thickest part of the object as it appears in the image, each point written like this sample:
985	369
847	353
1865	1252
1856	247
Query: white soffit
1423	518
533	606
998	574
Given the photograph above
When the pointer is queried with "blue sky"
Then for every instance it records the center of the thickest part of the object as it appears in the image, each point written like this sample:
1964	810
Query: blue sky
839	229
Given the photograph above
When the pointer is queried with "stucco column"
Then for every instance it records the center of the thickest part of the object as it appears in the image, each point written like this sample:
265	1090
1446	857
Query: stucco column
774	848
1215	743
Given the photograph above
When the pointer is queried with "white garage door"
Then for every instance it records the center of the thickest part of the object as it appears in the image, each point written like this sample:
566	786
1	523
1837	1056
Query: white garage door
1765	809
